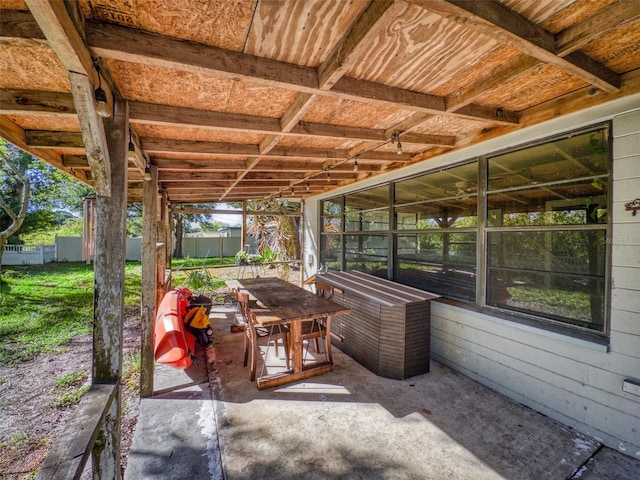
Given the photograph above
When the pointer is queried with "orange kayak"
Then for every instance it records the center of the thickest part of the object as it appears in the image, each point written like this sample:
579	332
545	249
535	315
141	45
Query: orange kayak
173	343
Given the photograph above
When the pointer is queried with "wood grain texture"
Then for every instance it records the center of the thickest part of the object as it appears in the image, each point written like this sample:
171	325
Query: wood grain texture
313	26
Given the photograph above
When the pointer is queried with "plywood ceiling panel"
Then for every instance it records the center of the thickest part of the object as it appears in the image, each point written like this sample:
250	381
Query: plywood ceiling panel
41	122
300	31
221	23
574	13
537	11
475	69
420	51
32	68
441	125
178	88
533	89
620	50
310	142
356	114
13	4
196	134
253	99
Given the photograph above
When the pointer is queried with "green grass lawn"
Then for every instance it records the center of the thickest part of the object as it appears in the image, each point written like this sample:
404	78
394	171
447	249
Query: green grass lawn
43	306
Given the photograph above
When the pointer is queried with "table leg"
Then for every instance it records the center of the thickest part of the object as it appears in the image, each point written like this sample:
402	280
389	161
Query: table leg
296	346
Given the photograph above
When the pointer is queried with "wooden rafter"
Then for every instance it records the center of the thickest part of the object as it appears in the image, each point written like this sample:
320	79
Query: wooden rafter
494	20
127	44
22	101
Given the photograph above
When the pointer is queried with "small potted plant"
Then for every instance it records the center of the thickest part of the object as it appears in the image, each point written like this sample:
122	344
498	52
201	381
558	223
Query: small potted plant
242	257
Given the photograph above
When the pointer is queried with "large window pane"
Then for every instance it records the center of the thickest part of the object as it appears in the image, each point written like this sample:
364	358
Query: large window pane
332	224
572	203
452	182
578	156
332	206
454	213
440	262
367	221
367	253
371	199
331	251
559	274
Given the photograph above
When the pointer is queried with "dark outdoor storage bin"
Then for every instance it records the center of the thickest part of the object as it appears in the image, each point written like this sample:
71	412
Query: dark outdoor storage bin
389	327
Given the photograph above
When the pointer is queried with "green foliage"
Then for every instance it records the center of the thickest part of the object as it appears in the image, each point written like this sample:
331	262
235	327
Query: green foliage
70	388
199	280
70	227
54	195
72	379
43	306
551	298
131	371
70	397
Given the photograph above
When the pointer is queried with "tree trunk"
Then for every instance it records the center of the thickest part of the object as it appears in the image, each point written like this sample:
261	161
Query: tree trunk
177	253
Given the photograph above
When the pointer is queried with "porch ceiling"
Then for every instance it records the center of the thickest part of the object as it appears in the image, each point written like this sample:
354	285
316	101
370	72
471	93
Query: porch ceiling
251	99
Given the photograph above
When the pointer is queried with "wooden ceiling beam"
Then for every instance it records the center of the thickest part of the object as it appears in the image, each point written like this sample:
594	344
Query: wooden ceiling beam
160	145
612	17
17	102
355	43
265	165
131	45
180	116
495	20
195	176
24	101
49	139
14	134
74	140
61	33
345	53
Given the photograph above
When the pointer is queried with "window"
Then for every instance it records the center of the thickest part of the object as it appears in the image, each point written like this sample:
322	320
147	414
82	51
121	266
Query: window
436	230
547	216
523	231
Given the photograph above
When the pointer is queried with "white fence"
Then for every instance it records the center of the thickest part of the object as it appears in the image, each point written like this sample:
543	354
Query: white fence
28	254
69	249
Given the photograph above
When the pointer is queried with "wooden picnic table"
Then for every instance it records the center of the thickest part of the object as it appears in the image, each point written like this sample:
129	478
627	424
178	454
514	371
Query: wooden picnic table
280	302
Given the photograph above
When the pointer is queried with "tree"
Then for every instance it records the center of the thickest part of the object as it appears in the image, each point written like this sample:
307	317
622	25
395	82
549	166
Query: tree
53	197
279	232
15	190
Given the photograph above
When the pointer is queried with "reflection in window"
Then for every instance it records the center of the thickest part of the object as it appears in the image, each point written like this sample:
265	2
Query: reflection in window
331	251
367	253
367	221
557	273
443	263
542	209
577	156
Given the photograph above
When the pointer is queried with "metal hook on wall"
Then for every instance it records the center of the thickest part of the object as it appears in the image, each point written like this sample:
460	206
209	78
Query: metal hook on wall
634	206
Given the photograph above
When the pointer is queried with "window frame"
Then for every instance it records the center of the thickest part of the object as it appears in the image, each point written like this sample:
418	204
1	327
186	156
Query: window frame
483	230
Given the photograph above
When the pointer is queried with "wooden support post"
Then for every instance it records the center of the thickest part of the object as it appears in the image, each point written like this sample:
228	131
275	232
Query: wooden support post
108	308
149	260
164	245
243	230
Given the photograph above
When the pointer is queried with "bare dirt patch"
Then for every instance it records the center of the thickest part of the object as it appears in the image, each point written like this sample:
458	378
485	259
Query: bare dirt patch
29	420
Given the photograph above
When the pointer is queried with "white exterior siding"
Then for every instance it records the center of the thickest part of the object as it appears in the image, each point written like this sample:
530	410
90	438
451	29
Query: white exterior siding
574	381
575	384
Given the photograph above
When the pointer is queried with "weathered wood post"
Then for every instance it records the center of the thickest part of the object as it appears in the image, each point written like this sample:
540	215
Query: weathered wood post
149	260
108	308
165	249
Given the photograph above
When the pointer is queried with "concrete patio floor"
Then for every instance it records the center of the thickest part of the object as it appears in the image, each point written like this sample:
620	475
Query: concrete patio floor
212	422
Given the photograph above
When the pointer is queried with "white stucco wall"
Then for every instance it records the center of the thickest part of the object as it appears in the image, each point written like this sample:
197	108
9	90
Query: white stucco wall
574	381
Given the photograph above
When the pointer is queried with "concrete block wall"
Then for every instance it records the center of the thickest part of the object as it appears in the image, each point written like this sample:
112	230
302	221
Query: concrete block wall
576	382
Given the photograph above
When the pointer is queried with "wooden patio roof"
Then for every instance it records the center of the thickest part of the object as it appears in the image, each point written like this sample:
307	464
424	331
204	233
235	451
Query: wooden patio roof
233	100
